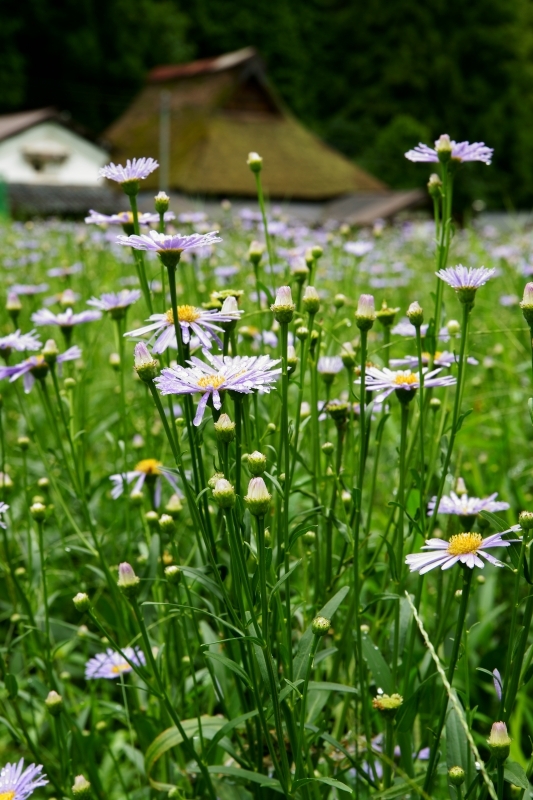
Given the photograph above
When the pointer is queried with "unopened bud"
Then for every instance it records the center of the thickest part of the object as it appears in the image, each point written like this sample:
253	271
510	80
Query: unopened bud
166	523
434	185
255	252
161	202
38	512
224	493
443	146
328	448
386	315
388	705
23	442
453	327
309	537
128	582
81	602
527	304
499	741
456	776
258	497
525	519
173	574
311	300
366	312
255	162
224	429
339	300
146	367
415	314
302	333
283	307
320	626
256	463
54	703
50	352
174	506
348	355
152	519
82	787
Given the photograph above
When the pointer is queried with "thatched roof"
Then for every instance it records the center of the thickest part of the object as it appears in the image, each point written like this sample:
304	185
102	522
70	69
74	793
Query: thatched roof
221	109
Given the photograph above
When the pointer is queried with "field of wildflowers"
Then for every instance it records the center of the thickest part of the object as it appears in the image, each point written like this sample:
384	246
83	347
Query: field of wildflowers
267	495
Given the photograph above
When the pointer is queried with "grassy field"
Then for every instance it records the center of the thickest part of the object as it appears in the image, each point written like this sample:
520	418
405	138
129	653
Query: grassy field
231	690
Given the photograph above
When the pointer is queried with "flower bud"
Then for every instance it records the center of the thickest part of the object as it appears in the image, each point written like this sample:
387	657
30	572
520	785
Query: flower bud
255	162
435	404
224	429
525	519
258	497
302	333
386	315
499	741
415	314
292	359
283	306
152	519
527	304
173	574
348	355
69	383
38	512
167	524
54	703
309	538
300	271
13	304
460	487
224	493
328	448
338	412
317	252
320	626
82	787
339	300
434	185
50	352
212	482
161	202
366	312
114	361
311	300
453	327
346	498
456	776
81	602
255	252
256	463
128	582
145	366
388	705
23	442
443	146
174	506
136	499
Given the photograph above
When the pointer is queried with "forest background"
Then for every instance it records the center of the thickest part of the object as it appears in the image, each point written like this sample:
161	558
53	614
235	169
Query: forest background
372	77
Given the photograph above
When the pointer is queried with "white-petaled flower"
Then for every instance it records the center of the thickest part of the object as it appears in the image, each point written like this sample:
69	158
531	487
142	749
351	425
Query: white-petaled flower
460	151
173	243
460	278
126	218
358	249
199	321
136	169
243	374
387	381
17	783
19	341
441	359
28	289
329	365
112	665
115	302
3	508
465	506
65	319
37	367
149	471
406	328
465	548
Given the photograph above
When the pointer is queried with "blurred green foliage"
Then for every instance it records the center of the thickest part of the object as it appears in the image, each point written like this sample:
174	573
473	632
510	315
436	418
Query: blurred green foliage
371	77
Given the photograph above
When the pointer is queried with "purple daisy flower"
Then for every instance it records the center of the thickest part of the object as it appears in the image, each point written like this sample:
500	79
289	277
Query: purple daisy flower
126	218
407	329
387	381
66	319
329	365
29	289
470	278
19	341
136	169
64	272
243	374
115	302
37	367
358	249
112	665
199	321
465	506
441	359
460	151
464	548
175	243
17	783
149	471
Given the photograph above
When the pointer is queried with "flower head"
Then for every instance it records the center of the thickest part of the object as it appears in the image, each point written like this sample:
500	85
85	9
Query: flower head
465	506
366	312
19	341
37	367
171	245
112	665
440	359
458	151
387	381
17	783
465	548
465	281
199	321
499	741
243	374
126	218
115	302
66	319
147	471
329	365
136	169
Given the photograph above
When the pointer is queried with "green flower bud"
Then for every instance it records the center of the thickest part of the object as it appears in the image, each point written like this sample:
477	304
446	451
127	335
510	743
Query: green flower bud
82	787
256	463
54	703
388	705
224	429
128	582
255	162
224	493
258	497
81	602
167	524
499	741
456	776
311	300
173	574
320	626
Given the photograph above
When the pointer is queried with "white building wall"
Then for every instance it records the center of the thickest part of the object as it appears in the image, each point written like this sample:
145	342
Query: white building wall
80	167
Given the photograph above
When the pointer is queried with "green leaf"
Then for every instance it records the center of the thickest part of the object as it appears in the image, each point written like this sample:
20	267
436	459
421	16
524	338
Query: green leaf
328	781
231	665
244	775
530	406
377	598
462	419
332	687
11	685
377	665
514	773
457	747
284	578
227	728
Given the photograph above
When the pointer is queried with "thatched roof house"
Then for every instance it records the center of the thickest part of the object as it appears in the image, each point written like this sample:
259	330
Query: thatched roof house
220	109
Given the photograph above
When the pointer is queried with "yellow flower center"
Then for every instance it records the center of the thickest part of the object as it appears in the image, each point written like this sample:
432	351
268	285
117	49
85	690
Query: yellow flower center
7	795
150	466
405	377
463	543
185	314
129	220
116	669
211	380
